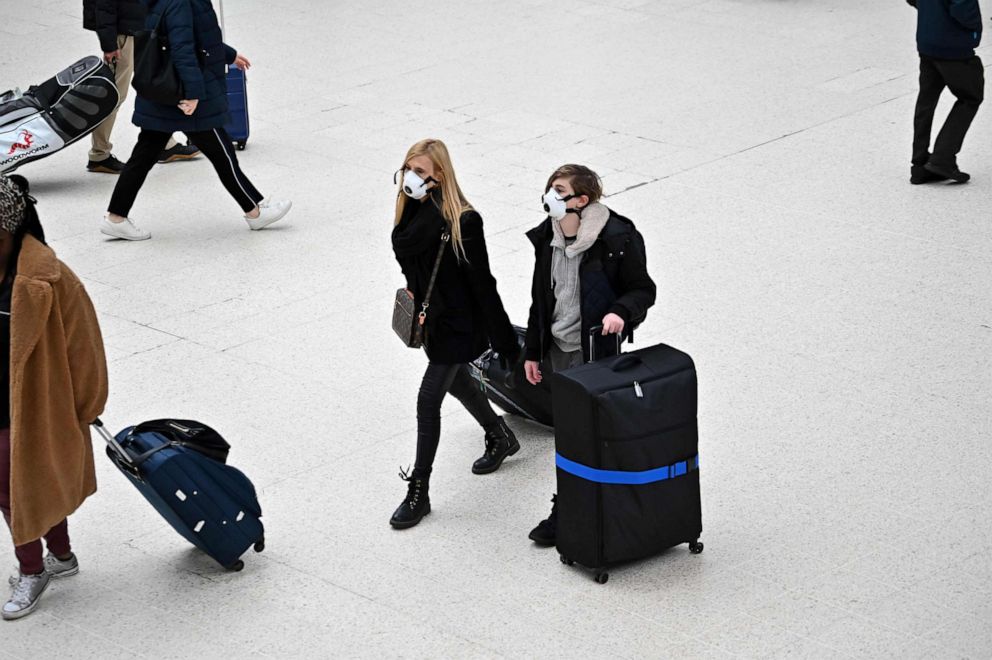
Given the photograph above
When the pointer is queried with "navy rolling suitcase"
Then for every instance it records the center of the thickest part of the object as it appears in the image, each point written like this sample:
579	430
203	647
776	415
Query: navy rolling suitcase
626	441
237	99
510	390
178	466
237	107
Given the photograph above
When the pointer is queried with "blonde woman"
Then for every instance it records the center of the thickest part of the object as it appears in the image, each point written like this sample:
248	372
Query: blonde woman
465	317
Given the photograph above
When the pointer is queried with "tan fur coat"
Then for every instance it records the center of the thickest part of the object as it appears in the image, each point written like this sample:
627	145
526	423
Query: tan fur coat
58	385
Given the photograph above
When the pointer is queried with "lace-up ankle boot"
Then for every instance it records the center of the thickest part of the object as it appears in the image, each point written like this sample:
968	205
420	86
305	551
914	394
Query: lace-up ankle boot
546	532
500	443
417	503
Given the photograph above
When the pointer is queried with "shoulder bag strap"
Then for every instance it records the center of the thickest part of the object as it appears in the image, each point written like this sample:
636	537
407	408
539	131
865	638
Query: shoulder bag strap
430	286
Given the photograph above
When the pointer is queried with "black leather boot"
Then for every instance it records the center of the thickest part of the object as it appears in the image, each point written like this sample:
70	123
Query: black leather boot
500	443
546	532
417	503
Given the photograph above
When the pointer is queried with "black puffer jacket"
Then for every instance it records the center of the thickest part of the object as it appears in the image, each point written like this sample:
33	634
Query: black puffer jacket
613	278
466	314
109	18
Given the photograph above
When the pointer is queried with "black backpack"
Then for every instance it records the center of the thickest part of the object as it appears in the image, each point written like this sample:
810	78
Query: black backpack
155	77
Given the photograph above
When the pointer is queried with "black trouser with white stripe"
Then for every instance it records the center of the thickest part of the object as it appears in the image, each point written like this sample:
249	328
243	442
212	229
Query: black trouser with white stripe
215	145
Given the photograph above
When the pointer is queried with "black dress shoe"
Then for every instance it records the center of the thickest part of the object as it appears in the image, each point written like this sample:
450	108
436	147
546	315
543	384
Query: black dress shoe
417	503
952	172
109	165
546	532
919	174
500	443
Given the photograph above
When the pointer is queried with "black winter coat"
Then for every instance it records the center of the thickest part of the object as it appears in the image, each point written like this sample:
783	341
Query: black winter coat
613	278
199	55
466	314
109	18
948	29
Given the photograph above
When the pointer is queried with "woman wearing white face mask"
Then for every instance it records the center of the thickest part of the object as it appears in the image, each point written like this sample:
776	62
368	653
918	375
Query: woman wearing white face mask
590	271
464	318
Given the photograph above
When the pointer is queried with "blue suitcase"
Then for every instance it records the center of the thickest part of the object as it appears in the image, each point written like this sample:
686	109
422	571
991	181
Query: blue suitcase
212	505
237	107
237	98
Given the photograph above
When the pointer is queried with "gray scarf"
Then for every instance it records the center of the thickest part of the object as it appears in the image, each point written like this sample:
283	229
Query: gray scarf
594	218
566	325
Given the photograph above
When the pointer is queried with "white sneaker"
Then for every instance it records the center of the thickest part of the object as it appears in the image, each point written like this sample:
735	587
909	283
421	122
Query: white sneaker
125	230
268	212
26	595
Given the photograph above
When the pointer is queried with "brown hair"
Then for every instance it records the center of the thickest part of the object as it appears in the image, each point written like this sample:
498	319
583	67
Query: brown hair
583	180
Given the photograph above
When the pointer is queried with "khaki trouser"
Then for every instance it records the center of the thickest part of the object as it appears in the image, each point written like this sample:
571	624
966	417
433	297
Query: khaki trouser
101	146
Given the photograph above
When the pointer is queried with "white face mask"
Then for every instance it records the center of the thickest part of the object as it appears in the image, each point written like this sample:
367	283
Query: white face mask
554	205
416	187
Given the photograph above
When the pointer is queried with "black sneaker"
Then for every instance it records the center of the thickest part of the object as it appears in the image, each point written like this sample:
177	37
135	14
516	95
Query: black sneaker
546	532
179	152
500	443
109	165
951	172
417	503
919	174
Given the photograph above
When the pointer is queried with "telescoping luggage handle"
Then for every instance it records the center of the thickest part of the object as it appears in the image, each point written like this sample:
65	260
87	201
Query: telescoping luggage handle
598	330
121	457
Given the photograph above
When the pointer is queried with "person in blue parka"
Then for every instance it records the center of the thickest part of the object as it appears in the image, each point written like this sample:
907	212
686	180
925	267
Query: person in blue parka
200	57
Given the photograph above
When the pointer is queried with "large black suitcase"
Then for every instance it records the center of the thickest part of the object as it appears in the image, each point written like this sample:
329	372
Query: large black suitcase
627	460
510	390
50	116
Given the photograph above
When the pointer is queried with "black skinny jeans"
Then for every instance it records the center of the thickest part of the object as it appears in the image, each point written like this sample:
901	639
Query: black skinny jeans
439	379
215	145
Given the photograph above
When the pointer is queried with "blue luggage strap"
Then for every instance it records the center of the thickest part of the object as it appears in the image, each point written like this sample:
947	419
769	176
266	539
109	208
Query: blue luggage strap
624	476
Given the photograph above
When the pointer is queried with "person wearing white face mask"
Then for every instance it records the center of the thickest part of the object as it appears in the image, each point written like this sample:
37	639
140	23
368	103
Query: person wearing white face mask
591	286
464	313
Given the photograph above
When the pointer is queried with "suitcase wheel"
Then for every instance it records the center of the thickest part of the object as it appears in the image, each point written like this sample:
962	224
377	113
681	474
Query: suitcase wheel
565	560
602	578
695	547
241	144
260	545
236	566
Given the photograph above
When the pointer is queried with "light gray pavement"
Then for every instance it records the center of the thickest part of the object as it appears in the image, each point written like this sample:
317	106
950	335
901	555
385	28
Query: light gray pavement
841	322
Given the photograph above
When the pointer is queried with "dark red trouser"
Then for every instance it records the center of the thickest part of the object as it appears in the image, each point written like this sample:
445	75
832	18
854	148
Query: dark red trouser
30	554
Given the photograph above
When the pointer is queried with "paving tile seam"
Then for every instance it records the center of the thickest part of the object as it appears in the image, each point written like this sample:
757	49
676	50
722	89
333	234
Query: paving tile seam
386	605
90	633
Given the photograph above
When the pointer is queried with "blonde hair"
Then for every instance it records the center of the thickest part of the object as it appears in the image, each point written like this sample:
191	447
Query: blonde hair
453	202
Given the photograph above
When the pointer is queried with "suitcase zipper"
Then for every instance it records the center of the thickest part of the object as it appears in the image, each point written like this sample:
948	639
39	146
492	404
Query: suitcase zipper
638	391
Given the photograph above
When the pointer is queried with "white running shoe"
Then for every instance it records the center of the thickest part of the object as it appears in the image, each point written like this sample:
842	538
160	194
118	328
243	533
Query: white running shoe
125	230
26	595
268	212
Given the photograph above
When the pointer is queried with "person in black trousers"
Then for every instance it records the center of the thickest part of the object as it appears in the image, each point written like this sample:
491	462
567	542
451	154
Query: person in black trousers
465	315
200	58
947	33
115	22
590	288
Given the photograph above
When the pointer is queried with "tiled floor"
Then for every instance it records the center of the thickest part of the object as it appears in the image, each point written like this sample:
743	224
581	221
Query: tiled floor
841	321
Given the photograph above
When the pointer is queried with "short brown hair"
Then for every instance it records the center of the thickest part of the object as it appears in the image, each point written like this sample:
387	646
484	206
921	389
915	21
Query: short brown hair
583	180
